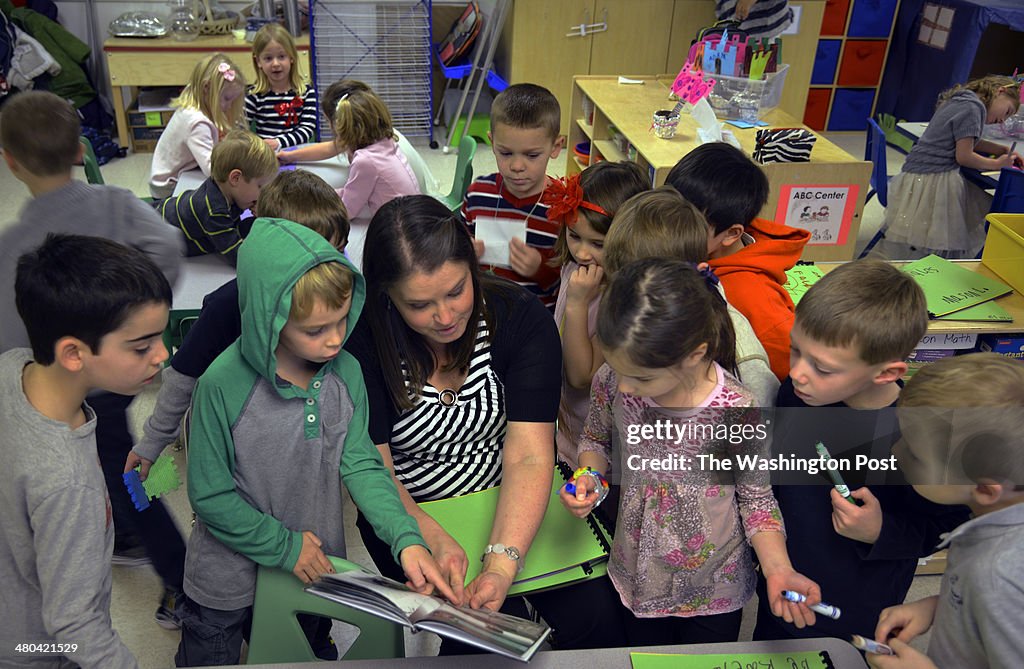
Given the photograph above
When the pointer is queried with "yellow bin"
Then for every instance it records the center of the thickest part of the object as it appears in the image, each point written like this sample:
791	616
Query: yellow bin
1004	248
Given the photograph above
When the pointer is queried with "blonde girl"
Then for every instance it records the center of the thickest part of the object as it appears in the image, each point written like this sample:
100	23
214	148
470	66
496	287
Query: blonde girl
931	208
280	106
679	559
584	205
378	172
209	106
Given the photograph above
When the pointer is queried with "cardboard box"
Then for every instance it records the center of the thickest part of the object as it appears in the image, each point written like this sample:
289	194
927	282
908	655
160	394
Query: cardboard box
1011	347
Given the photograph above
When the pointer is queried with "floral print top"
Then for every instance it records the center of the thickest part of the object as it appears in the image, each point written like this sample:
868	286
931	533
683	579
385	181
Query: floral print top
681	540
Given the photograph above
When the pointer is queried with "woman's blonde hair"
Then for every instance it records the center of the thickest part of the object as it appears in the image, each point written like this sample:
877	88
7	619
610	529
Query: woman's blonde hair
208	79
329	283
987	89
275	32
361	119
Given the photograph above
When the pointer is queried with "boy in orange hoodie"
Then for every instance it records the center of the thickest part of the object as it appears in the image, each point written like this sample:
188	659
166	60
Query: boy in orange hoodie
750	255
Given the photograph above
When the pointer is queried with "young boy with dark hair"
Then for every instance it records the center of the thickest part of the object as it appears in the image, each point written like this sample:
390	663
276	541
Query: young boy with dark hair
278	431
853	332
525	122
39	134
94	312
749	254
298	196
963	420
241	164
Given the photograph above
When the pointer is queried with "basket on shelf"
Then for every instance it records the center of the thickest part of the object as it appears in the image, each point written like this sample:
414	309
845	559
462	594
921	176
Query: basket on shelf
208	25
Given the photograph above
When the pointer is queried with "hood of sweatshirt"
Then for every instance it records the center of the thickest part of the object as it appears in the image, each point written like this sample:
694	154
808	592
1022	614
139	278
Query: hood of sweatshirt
776	248
275	254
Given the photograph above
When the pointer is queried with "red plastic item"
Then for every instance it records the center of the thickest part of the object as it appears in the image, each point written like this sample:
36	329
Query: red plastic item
816	111
834	21
861	63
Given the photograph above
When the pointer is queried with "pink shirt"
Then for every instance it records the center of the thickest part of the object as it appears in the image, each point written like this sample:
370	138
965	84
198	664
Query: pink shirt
377	173
185	144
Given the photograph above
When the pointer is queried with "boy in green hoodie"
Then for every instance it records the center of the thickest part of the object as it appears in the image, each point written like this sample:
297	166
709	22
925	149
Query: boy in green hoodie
279	425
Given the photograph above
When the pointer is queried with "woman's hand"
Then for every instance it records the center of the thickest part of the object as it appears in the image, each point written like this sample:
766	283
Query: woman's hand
312	562
424	574
451	559
906	621
792	612
584	284
489	588
743	9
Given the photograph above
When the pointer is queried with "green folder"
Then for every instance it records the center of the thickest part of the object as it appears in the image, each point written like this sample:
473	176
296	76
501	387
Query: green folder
986	311
566	548
802	659
800	278
949	288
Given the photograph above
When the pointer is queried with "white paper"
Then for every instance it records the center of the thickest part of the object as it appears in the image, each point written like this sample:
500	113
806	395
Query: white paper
948	340
708	127
627	80
794	27
496	233
818	209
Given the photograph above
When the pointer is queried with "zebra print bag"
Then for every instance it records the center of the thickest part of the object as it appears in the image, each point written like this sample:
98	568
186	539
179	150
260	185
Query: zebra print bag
783	145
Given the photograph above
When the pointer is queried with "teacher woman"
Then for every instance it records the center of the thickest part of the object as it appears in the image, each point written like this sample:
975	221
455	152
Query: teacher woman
463	375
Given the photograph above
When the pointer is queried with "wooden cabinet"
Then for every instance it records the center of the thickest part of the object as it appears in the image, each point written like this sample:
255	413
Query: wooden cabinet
542	41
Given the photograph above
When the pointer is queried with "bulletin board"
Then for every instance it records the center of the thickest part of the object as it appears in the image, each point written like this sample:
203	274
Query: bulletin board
924	60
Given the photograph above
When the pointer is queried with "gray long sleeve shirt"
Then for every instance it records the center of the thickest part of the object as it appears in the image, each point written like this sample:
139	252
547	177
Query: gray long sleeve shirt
82	209
56	535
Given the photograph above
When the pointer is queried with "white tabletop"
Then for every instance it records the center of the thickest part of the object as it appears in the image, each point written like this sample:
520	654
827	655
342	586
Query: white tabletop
991	132
200	275
333	170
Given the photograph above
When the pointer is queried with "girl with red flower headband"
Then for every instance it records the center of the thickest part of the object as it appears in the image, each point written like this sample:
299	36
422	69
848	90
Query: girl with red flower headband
584	204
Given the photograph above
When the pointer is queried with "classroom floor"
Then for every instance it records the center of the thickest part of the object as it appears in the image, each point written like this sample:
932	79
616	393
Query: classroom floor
137	590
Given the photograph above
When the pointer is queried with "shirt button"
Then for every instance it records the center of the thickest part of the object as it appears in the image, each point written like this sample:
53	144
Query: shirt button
316	384
310	401
311	418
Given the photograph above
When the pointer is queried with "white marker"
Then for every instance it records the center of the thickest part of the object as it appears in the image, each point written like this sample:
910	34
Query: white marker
869	646
824	609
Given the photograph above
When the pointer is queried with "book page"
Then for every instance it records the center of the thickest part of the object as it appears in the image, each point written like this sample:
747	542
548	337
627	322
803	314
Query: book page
497	632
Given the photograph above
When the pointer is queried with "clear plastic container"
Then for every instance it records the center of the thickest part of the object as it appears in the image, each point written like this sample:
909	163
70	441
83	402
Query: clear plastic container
747	99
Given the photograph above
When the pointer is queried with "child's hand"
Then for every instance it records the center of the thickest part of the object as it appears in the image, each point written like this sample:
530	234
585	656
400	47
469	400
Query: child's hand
135	460
285	157
312	563
525	260
451	559
860	523
906	621
792	612
584	284
273	143
583	502
424	575
906	657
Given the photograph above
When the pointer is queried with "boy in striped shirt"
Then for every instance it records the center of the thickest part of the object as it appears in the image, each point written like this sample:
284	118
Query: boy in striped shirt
525	123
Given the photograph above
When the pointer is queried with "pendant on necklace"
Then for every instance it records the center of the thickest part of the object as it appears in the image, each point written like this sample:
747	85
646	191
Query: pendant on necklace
448	397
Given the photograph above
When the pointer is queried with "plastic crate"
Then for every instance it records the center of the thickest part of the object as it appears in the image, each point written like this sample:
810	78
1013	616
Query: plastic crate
735	97
1004	248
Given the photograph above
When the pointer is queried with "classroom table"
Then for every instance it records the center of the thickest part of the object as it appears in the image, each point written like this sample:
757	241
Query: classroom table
163	61
629	108
984	180
332	170
843	655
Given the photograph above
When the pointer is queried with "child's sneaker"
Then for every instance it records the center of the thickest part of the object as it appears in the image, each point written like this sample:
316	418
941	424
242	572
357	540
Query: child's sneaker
166	614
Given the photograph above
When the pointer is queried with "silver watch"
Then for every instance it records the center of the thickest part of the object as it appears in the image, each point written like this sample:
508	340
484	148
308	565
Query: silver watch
511	552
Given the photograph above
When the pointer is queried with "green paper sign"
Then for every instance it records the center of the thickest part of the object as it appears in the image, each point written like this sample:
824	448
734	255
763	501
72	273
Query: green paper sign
153	119
949	288
802	659
163	477
800	278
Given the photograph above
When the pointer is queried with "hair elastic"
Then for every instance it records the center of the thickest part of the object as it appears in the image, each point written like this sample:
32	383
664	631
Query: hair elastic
564	196
226	72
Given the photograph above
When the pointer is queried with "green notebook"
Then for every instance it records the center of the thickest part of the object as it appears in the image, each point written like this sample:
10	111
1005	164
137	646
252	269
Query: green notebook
801	659
800	278
566	548
948	287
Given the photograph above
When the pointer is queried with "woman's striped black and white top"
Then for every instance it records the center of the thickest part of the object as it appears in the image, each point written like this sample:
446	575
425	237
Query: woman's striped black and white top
515	375
767	18
442	451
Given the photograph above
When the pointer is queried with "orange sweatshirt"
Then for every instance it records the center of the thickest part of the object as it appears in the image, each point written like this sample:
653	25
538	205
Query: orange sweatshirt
754	277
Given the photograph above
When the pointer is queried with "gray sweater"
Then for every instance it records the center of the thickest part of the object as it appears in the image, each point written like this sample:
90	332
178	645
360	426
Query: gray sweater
981	600
56	535
963	115
83	209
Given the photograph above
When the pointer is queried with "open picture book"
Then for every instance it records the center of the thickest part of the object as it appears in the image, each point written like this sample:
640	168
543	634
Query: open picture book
382	597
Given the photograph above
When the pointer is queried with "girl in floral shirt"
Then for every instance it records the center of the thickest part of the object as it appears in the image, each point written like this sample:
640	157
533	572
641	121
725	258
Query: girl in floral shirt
668	402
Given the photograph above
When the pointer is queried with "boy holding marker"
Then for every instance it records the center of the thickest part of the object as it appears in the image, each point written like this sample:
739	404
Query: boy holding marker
852	333
962	420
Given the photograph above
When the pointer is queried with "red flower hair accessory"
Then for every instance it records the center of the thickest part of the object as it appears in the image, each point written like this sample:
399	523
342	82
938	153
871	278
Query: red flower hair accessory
564	196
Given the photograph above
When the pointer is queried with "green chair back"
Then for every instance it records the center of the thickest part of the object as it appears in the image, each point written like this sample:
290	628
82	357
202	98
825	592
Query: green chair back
278	638
463	174
92	167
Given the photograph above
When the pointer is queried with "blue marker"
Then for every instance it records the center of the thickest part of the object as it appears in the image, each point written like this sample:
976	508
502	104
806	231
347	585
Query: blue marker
869	646
824	609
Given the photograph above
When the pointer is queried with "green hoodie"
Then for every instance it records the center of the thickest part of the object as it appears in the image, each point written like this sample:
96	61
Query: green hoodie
265	455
